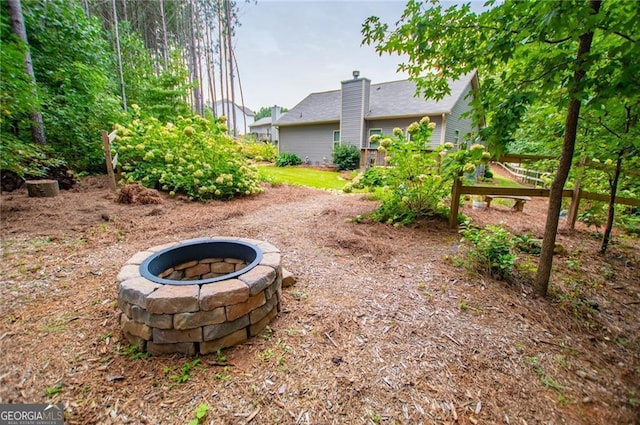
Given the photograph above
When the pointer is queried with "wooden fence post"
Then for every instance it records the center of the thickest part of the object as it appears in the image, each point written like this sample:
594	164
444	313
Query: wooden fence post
106	143
455	203
575	205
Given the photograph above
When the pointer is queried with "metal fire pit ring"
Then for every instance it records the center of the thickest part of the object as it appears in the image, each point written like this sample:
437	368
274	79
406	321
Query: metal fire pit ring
199	295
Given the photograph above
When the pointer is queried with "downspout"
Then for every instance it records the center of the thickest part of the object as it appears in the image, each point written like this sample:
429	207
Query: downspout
444	128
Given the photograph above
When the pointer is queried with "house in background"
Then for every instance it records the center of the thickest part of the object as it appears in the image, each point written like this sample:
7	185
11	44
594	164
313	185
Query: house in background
244	116
360	109
265	128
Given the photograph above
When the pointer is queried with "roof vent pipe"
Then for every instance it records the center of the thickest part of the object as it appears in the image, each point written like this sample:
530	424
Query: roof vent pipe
356	74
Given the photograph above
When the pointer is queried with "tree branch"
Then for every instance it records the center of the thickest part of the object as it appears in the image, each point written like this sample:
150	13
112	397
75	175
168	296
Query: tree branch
618	33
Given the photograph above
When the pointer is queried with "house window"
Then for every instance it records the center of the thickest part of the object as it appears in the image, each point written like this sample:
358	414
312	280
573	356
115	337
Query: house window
456	138
336	138
373	131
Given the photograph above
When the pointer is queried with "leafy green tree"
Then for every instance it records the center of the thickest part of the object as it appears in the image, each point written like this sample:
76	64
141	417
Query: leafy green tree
562	52
73	64
265	111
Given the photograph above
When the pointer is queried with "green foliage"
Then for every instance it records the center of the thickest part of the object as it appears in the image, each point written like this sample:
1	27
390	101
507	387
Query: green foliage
134	352
490	251
346	157
74	69
286	159
192	156
265	111
185	373
418	181
17	98
257	150
527	244
49	391
200	414
27	159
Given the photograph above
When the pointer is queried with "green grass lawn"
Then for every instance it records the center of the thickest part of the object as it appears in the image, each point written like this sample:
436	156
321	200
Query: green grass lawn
500	181
302	176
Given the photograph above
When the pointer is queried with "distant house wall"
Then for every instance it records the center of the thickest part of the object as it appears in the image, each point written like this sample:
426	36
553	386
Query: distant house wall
388	125
464	126
263	132
314	141
243	119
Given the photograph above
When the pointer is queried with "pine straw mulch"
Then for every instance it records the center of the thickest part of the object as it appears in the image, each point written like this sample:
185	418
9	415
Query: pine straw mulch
382	325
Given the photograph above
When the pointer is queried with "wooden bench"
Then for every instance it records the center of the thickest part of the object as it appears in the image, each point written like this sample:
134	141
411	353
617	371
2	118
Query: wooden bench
518	206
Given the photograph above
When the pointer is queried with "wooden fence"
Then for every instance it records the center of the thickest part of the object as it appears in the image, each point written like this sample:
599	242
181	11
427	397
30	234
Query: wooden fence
576	194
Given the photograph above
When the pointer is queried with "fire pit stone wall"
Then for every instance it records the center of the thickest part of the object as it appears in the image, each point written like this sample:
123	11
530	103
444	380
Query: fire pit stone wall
204	317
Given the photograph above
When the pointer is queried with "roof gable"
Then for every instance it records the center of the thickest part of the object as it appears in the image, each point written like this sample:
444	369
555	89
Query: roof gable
393	99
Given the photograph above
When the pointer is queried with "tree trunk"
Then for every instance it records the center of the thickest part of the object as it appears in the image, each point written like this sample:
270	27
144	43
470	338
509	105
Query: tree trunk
222	70
165	47
612	204
244	116
17	25
541	283
118	52
230	58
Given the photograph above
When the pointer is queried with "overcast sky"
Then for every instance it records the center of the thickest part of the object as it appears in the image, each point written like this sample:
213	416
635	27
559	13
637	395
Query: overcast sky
288	49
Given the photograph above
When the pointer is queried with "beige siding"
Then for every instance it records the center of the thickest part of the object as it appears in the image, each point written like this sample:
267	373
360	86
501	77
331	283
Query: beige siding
314	142
387	127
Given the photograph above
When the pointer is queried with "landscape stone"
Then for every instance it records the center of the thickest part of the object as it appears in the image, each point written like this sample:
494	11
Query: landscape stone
220	294
162	321
287	278
237	310
210	333
185	265
170	299
188	348
271	260
197	319
258	278
223	267
129	271
256	328
136	290
164	336
134	328
139	257
235	338
197	270
260	312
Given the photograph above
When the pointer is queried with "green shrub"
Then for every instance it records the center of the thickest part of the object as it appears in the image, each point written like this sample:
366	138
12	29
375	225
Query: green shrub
27	159
490	251
346	157
418	181
258	150
488	174
285	159
193	156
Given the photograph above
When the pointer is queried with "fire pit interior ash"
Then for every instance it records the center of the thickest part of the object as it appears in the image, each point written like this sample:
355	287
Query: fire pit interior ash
199	295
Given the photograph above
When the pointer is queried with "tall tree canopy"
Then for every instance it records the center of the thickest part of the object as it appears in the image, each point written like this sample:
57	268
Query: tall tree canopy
565	54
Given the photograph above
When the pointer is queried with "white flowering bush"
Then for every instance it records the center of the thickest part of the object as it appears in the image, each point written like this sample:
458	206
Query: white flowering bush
193	155
418	182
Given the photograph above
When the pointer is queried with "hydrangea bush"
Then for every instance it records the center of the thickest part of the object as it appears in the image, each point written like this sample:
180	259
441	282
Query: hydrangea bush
418	181
192	155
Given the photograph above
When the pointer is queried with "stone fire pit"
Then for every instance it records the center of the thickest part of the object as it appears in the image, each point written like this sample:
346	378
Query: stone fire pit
199	295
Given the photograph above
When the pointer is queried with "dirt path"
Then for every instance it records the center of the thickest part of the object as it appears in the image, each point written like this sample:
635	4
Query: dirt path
382	326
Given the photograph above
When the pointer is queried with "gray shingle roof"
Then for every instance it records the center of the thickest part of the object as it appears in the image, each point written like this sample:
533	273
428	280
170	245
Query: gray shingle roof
315	108
261	121
388	100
